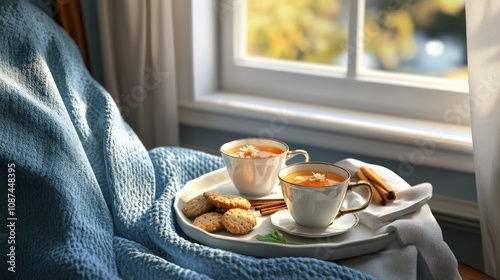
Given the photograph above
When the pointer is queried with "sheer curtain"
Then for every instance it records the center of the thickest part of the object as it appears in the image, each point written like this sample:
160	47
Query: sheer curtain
139	68
483	44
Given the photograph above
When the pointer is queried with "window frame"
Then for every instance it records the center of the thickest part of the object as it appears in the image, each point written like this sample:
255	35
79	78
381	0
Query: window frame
206	102
369	91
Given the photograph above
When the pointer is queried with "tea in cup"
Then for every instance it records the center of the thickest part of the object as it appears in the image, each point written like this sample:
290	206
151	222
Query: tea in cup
315	191
253	163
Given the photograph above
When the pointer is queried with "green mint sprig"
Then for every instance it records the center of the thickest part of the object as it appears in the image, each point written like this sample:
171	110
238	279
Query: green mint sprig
274	236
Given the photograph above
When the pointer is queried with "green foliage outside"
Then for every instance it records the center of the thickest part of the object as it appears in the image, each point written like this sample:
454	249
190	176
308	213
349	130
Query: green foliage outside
317	31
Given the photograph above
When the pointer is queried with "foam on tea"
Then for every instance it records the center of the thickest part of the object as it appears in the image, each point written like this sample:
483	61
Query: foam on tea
251	151
310	178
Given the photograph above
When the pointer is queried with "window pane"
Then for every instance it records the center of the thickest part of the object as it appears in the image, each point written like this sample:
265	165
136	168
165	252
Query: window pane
300	30
424	37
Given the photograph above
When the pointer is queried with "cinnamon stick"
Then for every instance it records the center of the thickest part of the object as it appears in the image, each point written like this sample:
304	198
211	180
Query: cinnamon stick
264	201
388	196
379	184
269	204
272	210
377	197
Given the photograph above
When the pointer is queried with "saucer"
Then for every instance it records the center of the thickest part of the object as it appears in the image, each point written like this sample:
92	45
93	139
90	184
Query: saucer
284	221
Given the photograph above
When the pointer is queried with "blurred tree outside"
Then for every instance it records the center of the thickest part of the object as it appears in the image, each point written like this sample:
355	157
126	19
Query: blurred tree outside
425	37
303	30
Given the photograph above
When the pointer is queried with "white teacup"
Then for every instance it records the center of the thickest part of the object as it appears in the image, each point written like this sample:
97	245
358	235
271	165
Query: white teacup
318	206
256	176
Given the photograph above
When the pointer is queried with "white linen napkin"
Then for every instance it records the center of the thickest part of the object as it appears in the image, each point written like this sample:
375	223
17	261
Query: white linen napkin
413	222
409	199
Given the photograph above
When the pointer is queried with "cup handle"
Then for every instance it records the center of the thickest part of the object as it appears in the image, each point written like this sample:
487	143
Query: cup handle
362	206
293	153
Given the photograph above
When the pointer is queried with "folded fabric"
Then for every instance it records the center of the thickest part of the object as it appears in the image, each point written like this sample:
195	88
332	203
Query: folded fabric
410	217
409	199
89	201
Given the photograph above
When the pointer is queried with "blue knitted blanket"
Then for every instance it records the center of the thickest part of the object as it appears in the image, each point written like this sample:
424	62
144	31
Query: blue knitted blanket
82	198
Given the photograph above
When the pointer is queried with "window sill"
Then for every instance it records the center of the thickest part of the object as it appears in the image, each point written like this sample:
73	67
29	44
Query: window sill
406	140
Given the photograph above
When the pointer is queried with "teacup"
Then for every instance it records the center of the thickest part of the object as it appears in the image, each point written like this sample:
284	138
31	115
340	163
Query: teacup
315	191
253	163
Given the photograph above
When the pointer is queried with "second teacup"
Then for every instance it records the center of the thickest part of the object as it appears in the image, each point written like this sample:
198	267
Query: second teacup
253	163
315	191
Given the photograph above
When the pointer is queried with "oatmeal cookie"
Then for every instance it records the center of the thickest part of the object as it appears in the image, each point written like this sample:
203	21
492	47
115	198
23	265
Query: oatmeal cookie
239	221
227	201
220	210
211	221
197	206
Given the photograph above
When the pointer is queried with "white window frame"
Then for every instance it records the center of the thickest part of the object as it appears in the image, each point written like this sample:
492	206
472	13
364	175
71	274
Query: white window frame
396	130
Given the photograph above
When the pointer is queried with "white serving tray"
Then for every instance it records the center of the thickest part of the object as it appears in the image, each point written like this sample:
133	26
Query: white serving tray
359	240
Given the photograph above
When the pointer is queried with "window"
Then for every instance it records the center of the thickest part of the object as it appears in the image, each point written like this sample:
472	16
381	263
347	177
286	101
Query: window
383	56
306	31
425	37
347	106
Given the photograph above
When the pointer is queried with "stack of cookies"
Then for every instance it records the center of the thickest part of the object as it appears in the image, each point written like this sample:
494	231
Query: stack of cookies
213	211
